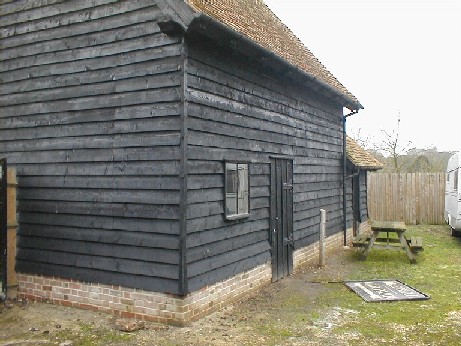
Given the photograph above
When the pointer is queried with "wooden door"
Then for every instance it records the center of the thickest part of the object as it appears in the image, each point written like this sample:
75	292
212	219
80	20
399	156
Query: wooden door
3	228
356	213
281	225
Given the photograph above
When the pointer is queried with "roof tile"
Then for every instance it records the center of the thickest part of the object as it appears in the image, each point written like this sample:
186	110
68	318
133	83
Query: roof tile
360	157
253	19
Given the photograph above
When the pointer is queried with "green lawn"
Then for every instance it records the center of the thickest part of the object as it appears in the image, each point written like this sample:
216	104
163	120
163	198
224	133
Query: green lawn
314	307
436	321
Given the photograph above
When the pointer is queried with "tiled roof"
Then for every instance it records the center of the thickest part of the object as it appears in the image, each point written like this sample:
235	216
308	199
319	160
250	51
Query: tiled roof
360	157
253	19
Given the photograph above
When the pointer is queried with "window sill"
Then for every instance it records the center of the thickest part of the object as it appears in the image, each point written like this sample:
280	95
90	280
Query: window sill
237	216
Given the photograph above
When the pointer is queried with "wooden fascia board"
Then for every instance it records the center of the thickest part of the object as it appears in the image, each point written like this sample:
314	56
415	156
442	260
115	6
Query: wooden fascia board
191	22
177	11
211	28
352	165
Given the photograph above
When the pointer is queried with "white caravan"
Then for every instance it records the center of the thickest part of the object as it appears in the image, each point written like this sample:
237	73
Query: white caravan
453	194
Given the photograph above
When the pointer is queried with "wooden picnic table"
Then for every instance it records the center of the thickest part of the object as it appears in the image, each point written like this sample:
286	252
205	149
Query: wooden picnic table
389	227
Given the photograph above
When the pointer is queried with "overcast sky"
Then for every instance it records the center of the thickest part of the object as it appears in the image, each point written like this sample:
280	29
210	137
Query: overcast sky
396	56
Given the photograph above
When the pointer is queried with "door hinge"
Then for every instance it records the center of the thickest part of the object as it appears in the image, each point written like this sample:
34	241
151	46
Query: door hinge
289	241
287	186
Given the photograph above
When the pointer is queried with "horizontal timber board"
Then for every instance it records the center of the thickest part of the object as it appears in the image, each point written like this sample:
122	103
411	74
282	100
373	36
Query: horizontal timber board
97	228
206	56
217	221
12	6
308	169
88	183
281	115
62	71
94	102
115	169
204	139
139	252
151	283
94	142
227	271
267	124
199	182
317	192
129	238
161	153
303	181
101	195
204	90
199	210
226	232
93	77
239	132
92	115
221	260
226	246
45	12
106	87
205	195
314	220
124	266
318	203
221	154
68	41
154	125
167	212
44	29
89	53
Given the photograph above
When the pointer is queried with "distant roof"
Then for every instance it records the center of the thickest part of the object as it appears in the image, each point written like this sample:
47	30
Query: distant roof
360	157
253	19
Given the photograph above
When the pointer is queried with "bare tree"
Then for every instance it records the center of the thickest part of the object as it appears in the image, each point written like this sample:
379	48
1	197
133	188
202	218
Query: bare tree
361	139
392	146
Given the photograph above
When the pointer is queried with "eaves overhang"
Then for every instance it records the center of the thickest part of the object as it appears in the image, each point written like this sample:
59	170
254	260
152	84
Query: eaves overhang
178	16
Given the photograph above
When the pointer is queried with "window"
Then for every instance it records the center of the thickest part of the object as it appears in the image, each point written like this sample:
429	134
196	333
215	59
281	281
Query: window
237	190
455	180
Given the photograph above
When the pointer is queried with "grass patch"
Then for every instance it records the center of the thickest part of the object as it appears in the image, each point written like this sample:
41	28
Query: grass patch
436	273
90	335
339	314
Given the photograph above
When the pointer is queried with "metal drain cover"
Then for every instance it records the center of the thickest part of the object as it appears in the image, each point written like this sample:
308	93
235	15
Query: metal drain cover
385	290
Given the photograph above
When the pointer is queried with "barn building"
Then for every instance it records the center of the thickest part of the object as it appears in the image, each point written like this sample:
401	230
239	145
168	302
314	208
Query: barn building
171	155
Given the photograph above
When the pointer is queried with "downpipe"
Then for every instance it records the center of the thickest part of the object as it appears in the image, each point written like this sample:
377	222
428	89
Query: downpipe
344	175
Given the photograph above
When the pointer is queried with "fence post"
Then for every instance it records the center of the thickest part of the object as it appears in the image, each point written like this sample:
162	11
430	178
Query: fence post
12	225
322	238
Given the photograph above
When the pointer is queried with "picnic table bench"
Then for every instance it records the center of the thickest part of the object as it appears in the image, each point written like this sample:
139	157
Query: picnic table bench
368	241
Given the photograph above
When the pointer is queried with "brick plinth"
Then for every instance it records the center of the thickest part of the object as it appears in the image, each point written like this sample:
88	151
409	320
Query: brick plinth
141	304
160	307
309	255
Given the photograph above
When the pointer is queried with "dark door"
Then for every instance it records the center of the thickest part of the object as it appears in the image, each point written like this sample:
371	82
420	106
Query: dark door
3	226
356	203
281	230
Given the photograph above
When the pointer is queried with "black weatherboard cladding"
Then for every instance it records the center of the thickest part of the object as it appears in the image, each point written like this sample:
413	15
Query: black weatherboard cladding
90	117
240	109
119	135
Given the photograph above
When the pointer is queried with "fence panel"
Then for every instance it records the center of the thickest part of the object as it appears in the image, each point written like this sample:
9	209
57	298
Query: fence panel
414	198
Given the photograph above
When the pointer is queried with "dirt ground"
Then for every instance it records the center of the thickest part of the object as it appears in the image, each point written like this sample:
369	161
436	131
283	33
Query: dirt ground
255	320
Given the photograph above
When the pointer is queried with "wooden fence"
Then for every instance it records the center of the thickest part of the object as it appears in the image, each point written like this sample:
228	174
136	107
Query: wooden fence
415	198
10	246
